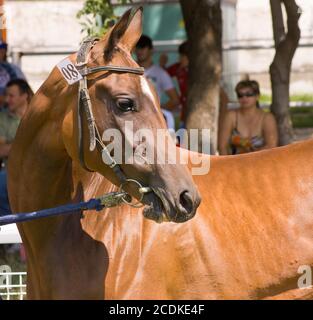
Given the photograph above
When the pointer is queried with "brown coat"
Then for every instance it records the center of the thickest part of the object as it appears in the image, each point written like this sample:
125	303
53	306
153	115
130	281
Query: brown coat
251	232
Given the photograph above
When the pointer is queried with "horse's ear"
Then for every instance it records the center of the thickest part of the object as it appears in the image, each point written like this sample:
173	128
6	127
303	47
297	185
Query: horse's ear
126	31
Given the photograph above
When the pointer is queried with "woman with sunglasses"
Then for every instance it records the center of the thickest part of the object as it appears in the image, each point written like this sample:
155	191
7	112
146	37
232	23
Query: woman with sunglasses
249	128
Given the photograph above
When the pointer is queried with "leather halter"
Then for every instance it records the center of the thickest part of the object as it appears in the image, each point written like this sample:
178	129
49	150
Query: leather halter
84	105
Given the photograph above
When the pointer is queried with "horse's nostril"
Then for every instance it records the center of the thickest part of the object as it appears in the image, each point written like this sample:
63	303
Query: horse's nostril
186	202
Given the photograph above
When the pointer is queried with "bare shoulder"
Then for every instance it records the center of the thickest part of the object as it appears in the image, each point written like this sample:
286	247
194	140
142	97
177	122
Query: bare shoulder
269	117
269	122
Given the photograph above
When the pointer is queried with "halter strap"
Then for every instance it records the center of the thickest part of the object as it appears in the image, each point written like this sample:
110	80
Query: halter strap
84	104
86	71
84	99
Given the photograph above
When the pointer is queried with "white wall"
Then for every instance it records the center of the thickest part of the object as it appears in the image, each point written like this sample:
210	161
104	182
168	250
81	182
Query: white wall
254	22
34	24
42	25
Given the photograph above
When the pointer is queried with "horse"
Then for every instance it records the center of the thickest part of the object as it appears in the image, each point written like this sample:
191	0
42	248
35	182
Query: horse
59	157
250	236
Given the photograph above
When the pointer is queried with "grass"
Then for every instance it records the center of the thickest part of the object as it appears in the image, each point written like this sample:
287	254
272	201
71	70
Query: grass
304	97
265	98
301	117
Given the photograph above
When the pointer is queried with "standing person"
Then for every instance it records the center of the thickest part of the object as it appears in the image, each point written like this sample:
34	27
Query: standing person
159	78
8	71
18	95
179	70
249	128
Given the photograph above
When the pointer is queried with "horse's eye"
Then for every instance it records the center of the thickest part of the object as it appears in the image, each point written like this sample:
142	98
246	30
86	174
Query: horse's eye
125	104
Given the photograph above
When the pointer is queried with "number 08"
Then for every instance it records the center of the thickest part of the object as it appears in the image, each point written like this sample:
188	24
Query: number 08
70	72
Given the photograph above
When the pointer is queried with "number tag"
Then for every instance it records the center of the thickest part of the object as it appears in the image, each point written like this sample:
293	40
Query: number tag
69	71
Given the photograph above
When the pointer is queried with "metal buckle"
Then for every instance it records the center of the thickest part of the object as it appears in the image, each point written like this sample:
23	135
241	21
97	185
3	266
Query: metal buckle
142	190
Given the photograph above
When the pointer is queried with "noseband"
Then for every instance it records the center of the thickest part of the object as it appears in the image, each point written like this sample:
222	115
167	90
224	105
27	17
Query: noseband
84	105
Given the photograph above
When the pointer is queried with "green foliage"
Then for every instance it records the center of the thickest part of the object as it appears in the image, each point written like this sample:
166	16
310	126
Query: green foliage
301	110
97	16
304	97
302	117
265	98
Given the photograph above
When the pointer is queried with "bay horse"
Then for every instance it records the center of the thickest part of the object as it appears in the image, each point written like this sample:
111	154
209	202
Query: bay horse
251	233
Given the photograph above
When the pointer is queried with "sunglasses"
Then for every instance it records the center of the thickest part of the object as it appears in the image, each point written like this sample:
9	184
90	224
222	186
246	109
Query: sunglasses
248	94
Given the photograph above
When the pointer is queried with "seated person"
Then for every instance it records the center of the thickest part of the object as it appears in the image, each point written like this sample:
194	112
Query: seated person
249	128
8	71
18	94
179	70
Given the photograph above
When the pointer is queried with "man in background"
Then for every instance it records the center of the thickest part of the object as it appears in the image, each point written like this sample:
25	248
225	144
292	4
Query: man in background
179	70
8	71
18	95
158	77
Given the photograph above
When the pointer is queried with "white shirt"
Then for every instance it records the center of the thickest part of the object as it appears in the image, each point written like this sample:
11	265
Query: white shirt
162	82
159	78
168	115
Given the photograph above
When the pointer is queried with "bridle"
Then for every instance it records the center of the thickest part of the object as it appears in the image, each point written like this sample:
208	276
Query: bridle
84	105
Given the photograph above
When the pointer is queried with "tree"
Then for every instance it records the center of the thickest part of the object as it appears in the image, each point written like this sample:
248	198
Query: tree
203	23
286	44
97	16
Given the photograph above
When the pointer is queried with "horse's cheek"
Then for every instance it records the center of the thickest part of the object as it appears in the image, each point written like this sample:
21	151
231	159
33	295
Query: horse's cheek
68	134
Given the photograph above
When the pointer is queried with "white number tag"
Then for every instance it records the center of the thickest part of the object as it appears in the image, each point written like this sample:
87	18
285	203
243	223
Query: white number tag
69	71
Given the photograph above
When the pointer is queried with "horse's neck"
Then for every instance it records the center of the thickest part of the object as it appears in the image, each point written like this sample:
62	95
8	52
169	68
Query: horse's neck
55	185
42	174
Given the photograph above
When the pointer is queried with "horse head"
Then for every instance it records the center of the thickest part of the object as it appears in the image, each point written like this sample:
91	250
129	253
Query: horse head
117	101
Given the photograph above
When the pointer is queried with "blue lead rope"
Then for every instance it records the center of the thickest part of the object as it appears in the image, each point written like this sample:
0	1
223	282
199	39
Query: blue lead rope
109	200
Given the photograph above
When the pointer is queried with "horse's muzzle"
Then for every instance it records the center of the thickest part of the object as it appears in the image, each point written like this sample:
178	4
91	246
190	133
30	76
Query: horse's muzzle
160	207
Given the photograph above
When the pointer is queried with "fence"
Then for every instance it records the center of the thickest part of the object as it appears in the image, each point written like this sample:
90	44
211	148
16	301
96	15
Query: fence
12	285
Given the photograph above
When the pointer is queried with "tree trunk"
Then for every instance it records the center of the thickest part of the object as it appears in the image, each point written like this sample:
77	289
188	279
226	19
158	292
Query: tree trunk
203	22
286	45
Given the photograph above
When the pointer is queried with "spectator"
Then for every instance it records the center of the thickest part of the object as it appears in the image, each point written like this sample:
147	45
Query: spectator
159	78
8	71
179	70
18	95
249	128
